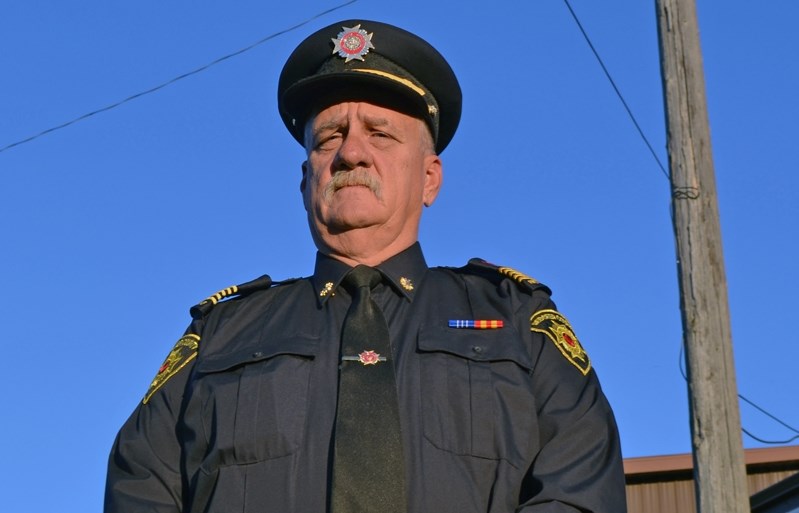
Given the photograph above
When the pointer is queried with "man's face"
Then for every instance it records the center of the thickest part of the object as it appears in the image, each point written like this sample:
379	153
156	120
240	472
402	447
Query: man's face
370	170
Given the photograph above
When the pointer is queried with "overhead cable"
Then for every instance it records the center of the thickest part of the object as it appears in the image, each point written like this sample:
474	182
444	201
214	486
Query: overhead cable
615	88
176	79
763	411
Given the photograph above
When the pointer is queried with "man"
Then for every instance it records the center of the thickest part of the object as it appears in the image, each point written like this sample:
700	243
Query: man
377	384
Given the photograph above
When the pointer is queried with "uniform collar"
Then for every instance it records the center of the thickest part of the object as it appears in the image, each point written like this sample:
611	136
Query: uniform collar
404	271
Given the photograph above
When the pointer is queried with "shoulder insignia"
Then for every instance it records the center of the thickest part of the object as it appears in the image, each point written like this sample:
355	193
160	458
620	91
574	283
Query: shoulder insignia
516	275
199	310
486	268
185	350
557	328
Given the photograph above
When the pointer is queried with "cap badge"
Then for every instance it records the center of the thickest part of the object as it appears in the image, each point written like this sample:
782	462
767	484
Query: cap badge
352	43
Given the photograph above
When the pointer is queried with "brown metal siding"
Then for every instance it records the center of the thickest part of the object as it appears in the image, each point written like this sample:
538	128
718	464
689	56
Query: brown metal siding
678	496
664	484
667	497
761	481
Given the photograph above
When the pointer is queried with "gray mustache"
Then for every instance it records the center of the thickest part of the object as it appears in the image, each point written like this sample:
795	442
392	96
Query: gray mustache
352	178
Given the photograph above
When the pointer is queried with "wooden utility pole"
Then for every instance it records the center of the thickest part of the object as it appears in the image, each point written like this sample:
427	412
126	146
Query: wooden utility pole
719	471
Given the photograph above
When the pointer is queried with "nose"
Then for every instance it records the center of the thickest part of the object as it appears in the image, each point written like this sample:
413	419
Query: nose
353	153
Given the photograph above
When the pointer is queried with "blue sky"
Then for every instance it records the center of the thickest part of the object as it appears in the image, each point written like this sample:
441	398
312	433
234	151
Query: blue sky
113	227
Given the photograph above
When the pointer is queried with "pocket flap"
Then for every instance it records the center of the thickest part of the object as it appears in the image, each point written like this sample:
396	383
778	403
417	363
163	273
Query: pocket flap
492	345
297	345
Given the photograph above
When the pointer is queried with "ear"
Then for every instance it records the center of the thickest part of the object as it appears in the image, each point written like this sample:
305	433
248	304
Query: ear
433	178
304	180
304	184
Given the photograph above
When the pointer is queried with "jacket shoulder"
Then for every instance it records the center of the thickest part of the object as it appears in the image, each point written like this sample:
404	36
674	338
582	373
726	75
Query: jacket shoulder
496	274
204	307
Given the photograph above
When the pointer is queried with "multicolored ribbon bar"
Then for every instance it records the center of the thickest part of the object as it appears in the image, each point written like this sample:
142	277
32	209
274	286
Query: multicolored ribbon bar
476	324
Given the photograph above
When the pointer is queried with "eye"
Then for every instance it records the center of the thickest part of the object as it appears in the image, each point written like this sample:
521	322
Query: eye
328	142
381	139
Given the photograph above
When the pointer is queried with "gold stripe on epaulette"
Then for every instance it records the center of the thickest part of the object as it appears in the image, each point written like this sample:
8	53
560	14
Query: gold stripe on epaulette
517	276
222	294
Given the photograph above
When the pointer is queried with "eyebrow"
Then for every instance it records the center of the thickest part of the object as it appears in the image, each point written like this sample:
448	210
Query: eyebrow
341	122
330	125
373	121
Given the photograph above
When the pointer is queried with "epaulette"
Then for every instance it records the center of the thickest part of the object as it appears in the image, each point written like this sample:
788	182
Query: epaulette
548	321
201	309
493	272
187	348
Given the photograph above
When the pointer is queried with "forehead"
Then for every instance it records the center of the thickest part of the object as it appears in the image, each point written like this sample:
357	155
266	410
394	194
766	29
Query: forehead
345	113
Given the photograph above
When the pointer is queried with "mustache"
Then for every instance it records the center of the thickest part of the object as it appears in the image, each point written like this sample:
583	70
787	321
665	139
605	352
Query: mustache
351	178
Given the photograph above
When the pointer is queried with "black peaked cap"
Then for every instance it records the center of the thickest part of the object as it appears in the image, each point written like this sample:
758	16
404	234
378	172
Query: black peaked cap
370	61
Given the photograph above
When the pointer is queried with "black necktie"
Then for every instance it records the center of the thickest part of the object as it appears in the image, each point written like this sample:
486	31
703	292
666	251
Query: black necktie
368	467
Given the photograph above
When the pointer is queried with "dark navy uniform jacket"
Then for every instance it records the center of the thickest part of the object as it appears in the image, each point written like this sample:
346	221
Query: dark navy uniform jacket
493	420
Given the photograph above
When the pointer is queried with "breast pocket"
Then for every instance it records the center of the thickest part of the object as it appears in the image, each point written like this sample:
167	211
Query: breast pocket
254	402
476	392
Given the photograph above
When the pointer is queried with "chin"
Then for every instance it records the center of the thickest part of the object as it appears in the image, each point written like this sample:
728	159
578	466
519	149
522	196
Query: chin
355	215
342	225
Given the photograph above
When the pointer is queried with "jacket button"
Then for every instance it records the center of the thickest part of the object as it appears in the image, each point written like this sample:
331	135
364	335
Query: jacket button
257	354
477	349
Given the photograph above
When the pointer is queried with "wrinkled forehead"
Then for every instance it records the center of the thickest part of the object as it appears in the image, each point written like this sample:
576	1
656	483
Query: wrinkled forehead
371	115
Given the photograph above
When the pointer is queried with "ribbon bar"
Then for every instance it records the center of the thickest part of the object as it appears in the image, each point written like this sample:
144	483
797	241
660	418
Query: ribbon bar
476	324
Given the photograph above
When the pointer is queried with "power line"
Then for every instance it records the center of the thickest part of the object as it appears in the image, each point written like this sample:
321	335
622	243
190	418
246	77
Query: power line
741	396
176	79
663	169
772	442
688	192
770	416
618	92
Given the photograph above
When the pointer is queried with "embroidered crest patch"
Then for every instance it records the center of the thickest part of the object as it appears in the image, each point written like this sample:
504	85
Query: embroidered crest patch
185	350
557	328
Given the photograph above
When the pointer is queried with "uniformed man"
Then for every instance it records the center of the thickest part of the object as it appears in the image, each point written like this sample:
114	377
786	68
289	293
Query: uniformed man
377	384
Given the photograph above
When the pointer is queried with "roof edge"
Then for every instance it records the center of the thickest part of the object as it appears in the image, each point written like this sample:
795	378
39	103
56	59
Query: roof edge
684	462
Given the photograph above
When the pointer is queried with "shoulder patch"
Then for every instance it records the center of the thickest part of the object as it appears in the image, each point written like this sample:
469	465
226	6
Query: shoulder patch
185	350
557	328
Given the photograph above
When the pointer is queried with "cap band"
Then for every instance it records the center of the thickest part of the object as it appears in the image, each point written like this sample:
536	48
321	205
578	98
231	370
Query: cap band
384	74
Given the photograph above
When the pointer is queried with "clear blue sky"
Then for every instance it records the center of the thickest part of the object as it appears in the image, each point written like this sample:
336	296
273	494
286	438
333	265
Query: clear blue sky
113	227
